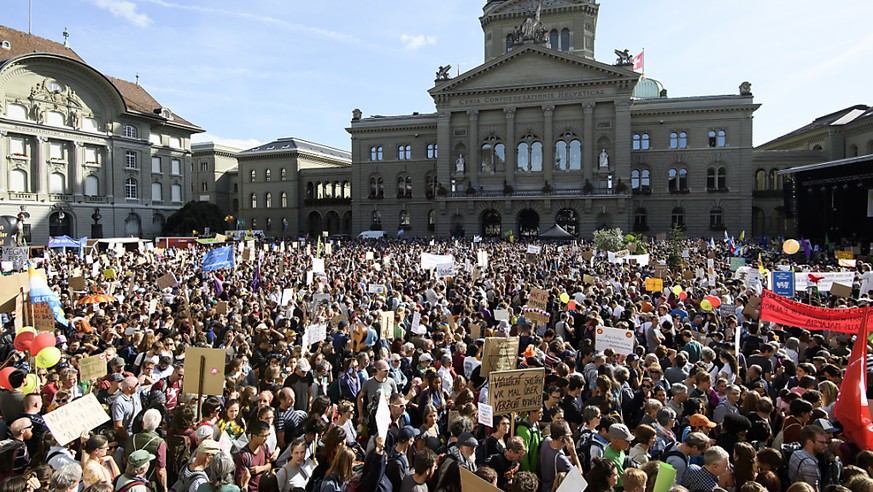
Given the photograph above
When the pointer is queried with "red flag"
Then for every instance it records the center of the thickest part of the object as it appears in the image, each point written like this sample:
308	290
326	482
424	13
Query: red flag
851	409
638	62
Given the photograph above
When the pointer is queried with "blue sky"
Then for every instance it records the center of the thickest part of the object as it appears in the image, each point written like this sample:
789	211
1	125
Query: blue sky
257	70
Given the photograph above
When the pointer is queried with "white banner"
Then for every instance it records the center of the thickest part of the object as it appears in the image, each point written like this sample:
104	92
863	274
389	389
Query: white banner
621	341
318	265
314	334
416	324
429	261
482	258
802	281
533	249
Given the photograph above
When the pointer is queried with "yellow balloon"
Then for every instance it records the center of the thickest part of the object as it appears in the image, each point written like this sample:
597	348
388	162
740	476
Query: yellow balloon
25	328
48	357
677	289
790	247
565	298
31	383
704	304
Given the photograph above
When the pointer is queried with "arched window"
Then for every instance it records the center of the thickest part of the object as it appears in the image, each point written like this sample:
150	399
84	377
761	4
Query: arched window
310	190
404	218
721	138
674	140
432	151
130	188
554	42
404	187
493	156
269	224
16	112
672	180
57	183
376	220
92	185
683	140
853	151
283	200
347	189
431	220
404	152
176	193
18	181
268	200
641	181
760	180
714	178
377	187
712	139
283	174
328	190
568	153
254	200
254	176
133	225
236	204
130	131
677	218
683	179
337	190
319	190
565	39
268	175
376	153
158	221
641	141
641	219
129	159
775	181
715	218
530	154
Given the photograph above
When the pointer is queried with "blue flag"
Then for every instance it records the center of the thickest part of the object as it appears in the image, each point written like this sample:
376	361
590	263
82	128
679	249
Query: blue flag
217	258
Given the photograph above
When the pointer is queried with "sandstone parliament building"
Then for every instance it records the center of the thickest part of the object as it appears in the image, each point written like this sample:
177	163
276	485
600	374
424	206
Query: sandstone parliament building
540	134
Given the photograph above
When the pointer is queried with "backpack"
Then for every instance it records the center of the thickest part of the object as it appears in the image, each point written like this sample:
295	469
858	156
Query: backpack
184	483
670	451
354	483
334	392
129	485
584	450
787	450
178	454
834	473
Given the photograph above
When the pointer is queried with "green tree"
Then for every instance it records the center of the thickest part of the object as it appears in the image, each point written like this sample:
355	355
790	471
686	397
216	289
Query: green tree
674	248
194	216
609	239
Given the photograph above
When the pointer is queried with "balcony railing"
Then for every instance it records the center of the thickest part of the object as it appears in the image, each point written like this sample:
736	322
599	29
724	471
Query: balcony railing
96	199
17	195
533	193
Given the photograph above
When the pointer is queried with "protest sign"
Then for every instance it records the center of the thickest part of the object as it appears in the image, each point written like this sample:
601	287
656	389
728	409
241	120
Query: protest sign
516	391
221	307
538	299
43	317
383	417
848	263
783	283
619	340
841	290
445	270
318	265
660	270
844	254
589	279
167	281
386	322
665	478
587	255
802	280
376	289
470	482
314	334
654	284
486	416
18	256
501	314
429	261
212	362
688	275
482	258
337	318
416	324
573	481
287	296
777	309
533	249
92	367
68	422
109	274
77	283
737	262
499	354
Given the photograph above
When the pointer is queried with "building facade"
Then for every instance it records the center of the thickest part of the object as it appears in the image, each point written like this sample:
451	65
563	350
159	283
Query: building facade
215	175
542	134
84	154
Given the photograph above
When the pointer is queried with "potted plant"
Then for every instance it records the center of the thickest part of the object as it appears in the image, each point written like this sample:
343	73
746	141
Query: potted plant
620	187
470	191
547	188
442	191
587	187
507	188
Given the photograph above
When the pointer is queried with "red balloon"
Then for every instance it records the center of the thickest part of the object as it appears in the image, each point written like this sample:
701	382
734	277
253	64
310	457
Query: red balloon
683	295
23	341
716	302
571	305
4	377
42	341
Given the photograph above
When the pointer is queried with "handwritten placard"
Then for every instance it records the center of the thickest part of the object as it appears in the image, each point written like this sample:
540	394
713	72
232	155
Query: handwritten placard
77	283
93	367
516	391
69	421
167	281
314	334
43	317
500	354
538	299
386	322
619	340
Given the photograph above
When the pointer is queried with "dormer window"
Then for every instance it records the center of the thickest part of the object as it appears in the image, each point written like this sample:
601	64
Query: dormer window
165	113
6	45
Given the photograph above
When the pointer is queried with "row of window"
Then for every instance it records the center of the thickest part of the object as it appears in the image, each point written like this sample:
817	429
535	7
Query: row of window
319	190
767	181
529	155
88	124
679	140
130	162
677	218
404	186
677	179
19	182
268	174
403	219
404	152
268	200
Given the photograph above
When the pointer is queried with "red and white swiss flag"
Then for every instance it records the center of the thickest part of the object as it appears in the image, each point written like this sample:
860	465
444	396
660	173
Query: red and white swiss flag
638	62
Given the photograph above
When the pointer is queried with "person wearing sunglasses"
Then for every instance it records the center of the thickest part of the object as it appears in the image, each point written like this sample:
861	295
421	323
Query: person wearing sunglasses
14	456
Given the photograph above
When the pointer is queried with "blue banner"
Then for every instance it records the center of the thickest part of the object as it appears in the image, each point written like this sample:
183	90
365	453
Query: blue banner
218	258
783	283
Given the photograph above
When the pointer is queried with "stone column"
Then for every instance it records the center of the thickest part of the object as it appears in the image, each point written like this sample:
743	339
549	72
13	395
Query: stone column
473	156
444	166
74	177
4	151
510	145
38	169
620	161
589	147
549	144
107	184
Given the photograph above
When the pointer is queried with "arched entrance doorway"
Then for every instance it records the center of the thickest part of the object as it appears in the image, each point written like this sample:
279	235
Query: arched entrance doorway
60	224
528	223
314	223
604	221
132	226
568	219
347	223
332	220
491	223
457	229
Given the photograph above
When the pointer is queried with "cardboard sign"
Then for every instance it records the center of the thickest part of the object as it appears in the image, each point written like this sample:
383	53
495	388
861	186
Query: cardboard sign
516	391
69	421
167	281
660	271
688	275
589	279
841	254
337	318
841	290
499	354
109	274
573	481
619	340
213	373
153	306
654	284
386	322
470	482
538	299
43	317
314	334
10	287
221	307
587	255
93	367
77	283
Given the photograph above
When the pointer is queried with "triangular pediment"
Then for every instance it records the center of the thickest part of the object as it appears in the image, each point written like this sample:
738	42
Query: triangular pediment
534	66
527	6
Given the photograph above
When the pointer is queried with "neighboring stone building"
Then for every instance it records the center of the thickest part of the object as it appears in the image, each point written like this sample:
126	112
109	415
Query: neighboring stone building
291	186
215	176
73	140
541	133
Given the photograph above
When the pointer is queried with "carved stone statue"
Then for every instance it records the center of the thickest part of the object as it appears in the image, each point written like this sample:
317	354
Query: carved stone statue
604	159
460	164
746	89
623	57
443	72
356	114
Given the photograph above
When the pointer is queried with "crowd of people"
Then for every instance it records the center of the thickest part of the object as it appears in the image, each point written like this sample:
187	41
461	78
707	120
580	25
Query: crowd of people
747	417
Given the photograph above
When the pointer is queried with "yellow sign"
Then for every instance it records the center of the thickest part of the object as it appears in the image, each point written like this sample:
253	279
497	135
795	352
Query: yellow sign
654	284
844	254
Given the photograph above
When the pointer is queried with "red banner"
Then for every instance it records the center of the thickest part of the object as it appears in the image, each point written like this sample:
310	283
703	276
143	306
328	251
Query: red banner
778	309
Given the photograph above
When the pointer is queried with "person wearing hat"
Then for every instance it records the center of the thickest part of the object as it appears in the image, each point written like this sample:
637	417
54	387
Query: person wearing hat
12	401
133	479
194	474
398	464
116	366
395	370
108	394
620	438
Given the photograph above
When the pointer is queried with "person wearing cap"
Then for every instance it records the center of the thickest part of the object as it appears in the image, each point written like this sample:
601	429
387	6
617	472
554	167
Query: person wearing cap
133	479
398	464
620	438
116	366
108	394
194	474
301	383
12	401
395	370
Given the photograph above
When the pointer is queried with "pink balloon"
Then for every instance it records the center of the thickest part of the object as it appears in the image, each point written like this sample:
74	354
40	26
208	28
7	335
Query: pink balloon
4	377
23	341
42	341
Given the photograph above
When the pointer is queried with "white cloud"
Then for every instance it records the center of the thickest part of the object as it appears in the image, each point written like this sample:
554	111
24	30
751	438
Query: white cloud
242	144
124	9
413	43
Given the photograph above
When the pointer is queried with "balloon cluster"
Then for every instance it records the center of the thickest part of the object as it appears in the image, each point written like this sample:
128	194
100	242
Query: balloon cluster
680	292
42	346
709	303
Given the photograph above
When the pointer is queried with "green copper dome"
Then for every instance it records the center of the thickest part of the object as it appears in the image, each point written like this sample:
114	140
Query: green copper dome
648	88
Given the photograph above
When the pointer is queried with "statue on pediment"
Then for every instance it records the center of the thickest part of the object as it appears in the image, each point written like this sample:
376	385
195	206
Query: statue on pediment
623	57
746	89
443	72
531	29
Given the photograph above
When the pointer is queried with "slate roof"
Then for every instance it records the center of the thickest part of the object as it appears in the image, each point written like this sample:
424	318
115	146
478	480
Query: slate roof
289	144
135	96
837	118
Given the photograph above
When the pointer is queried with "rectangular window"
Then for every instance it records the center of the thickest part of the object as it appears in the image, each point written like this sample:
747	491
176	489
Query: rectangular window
156	164
91	155
176	167
203	186
154	139
17	146
157	192
176	193
204	166
176	142
130	159
56	151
